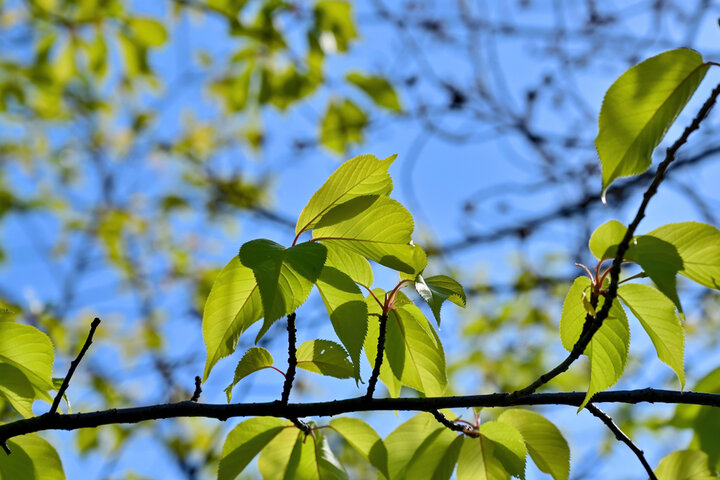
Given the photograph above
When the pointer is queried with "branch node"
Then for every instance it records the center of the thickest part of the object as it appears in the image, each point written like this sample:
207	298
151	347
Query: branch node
456	427
198	390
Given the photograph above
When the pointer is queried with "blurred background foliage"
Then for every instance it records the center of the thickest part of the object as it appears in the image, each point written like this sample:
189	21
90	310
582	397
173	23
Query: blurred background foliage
141	143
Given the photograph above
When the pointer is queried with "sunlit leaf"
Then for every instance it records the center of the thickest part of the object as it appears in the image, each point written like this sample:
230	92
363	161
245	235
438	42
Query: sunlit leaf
324	357
685	465
656	314
436	457
404	441
32	458
640	107
342	126
604	240
364	440
608	349
335	17
376	227
244	442
147	31
436	289
378	89
284	276
233	305
359	176
545	444
256	358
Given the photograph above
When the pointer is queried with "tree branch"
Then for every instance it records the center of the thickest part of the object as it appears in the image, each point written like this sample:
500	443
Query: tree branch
591	324
620	435
198	390
336	407
378	358
73	365
290	374
456	427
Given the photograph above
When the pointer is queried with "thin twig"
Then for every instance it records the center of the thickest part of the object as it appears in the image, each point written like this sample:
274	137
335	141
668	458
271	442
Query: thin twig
73	365
620	435
378	358
591	324
456	427
290	374
198	390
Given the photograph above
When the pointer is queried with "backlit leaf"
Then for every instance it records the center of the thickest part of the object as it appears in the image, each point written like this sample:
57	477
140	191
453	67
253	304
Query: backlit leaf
148	31
378	89
685	465
324	357
497	453
404	441
376	227
232	306
608	349
359	176
656	314
32	458
639	108
604	240
256	358
284	276
436	457
364	440
244	442
546	445
342	126
438	288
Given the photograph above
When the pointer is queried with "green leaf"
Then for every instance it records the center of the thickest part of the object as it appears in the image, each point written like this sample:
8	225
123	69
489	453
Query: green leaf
256	358
436	457
436	289
324	357
608	349
378	89
33	458
661	261
347	310
292	455
245	441
284	276
343	125
685	465
640	107
412	349
605	239
497	453
546	445
26	358
335	16
703	420
147	31
656	314
232	306
351	264
406	439
698	245
364	440
359	176
377	227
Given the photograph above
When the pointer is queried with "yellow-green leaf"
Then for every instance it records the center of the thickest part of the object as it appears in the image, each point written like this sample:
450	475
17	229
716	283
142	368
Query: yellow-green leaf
256	358
438	288
324	357
343	125
32	458
364	440
685	465
639	108
148	31
244	442
378	89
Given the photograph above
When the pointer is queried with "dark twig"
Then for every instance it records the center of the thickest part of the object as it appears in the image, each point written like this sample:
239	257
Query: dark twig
593	324
224	411
290	374
198	390
378	358
456	427
620	435
73	365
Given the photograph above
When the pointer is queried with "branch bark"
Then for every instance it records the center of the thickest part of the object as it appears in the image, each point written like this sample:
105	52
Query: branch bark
372	383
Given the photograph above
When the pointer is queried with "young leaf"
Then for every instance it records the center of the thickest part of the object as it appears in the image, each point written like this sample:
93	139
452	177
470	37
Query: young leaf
245	441
33	458
404	441
292	455
656	314
256	358
546	445
364	440
324	357
232	306
685	465
605	239
698	245
284	276
436	289
639	108
376	227
378	89
345	305
436	457
497	453
359	176
608	349
661	261
351	264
